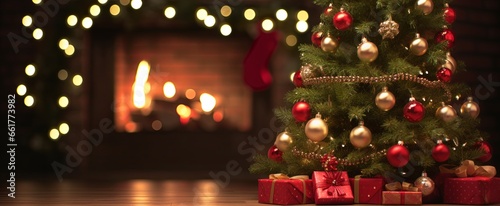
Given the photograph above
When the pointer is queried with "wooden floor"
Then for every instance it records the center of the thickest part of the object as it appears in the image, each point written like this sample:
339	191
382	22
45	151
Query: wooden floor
133	192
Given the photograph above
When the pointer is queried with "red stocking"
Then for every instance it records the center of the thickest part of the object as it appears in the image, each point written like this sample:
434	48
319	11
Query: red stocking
255	71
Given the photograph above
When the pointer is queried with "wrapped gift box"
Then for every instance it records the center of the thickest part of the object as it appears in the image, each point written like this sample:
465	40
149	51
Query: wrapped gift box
286	191
367	190
401	198
332	188
472	190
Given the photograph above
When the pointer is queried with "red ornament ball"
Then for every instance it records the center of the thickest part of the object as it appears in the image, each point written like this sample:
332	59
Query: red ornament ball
328	10
444	74
414	111
301	111
275	154
316	38
297	79
449	15
440	152
398	155
342	20
486	147
446	35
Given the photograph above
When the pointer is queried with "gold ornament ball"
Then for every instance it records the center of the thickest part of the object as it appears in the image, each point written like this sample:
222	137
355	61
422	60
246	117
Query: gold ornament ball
283	140
470	108
316	129
419	46
446	112
425	6
385	100
367	51
425	184
360	136
329	44
451	63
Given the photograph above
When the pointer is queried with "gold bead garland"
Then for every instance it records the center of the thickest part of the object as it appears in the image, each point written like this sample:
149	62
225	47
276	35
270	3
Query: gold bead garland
385	78
341	161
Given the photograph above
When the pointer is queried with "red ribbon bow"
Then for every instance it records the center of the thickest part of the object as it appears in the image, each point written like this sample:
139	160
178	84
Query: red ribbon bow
331	183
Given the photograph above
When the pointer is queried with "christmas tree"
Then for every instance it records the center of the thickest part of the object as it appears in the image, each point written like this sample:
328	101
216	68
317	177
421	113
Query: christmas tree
376	95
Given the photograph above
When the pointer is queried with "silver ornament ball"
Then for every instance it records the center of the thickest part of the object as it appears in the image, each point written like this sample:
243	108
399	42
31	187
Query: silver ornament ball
425	184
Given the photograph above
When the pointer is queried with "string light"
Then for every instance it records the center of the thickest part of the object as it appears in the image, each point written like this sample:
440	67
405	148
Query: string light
291	40
87	22
102	1
156	125
302	15
267	24
169	89
209	21
95	10
281	15
190	93
114	9
136	4
27	21
63	102
54	134
77	80
226	29
169	12
64	128
29	101
249	14
37	1
30	70
124	2
37	33
70	50
72	20
63	44
21	90
302	26
201	14
62	74
225	11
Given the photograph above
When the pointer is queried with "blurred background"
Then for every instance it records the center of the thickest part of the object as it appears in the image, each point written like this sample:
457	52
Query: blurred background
161	89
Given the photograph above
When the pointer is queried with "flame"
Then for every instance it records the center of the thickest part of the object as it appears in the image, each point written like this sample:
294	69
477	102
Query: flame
140	85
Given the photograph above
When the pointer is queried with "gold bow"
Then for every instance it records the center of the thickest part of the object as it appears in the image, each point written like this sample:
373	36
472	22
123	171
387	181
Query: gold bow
468	169
281	176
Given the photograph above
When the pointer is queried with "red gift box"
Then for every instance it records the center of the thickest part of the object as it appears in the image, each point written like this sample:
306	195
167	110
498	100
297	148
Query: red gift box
367	190
472	190
401	198
286	191
332	188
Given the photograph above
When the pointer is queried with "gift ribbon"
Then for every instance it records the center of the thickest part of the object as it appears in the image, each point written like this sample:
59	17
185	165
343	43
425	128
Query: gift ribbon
468	169
281	176
356	188
332	180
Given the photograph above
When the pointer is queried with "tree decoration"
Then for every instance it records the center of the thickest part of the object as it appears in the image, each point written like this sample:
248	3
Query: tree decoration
342	20
297	79
450	63
367	51
470	108
316	38
444	74
275	154
419	45
486	147
426	6
446	113
329	44
425	184
389	29
329	162
414	111
446	35
398	155
449	14
316	129
328	10
306	71
283	140
360	136
440	152
385	100
301	111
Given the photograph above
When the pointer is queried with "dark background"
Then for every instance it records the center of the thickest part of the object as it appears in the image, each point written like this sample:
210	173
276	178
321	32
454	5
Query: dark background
144	155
